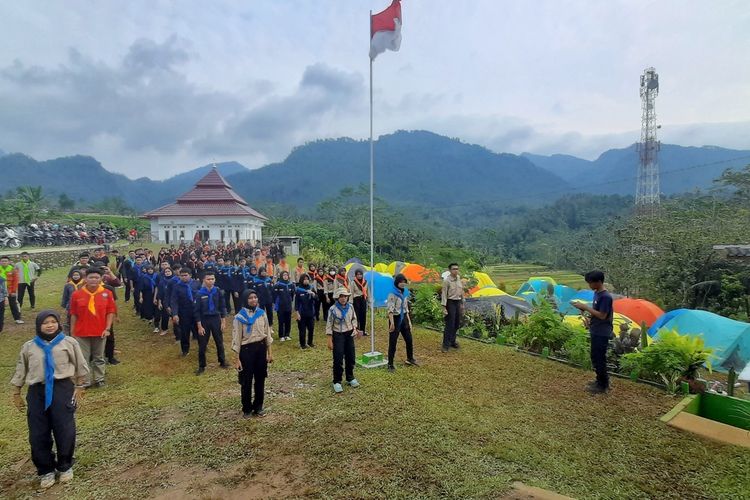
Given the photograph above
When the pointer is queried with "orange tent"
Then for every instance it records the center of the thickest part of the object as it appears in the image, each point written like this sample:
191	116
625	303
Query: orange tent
416	273
639	310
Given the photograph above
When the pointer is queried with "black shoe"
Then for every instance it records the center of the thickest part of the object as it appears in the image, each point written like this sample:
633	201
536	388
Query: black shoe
454	345
365	334
597	389
113	361
391	368
200	371
444	349
311	346
246	415
184	354
260	414
412	362
224	365
303	347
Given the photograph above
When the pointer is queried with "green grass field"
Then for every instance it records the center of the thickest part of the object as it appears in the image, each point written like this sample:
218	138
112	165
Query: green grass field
464	425
514	275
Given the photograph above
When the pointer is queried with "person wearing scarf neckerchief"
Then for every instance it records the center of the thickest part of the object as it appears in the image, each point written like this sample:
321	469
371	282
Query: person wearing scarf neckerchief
237	283
341	328
149	281
305	302
28	273
399	321
298	271
210	312
342	280
135	282
3	298
311	273
92	311
283	295
251	341
163	290
329	286
223	278
54	368
75	281
318	282
182	309
358	287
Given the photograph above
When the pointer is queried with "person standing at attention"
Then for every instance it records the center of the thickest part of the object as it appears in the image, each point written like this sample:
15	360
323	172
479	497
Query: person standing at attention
28	273
600	329
54	368
209	313
341	328
452	299
358	287
399	322
92	311
10	274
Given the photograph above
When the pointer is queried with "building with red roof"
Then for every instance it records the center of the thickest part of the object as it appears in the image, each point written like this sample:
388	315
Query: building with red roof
210	211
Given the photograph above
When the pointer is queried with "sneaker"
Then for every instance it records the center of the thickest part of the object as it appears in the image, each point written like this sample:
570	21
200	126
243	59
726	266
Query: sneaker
391	368
337	388
156	330
412	362
21	322
100	384
443	349
454	345
184	354
353	383
597	389
365	334
200	371
289	338
282	339
47	481
163	332
113	361
246	415
260	413
303	347
66	476
311	345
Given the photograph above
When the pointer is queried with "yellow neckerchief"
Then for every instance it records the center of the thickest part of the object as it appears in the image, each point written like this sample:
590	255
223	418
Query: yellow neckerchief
92	307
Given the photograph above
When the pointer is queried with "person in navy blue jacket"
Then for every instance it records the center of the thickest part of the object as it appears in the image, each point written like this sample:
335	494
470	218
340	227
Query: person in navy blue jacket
250	277
182	304
210	311
237	284
223	277
147	284
283	295
161	314
134	276
305	306
264	289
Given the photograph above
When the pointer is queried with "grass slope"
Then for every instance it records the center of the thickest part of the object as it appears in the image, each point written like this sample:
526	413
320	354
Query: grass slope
465	425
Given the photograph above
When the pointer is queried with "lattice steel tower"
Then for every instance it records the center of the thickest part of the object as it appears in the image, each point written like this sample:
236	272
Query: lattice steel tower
647	189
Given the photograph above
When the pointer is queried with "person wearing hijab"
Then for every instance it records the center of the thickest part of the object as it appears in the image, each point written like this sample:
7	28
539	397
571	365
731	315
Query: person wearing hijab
75	281
341	328
358	287
329	286
342	280
163	291
283	296
264	289
54	368
251	342
149	281
305	303
399	321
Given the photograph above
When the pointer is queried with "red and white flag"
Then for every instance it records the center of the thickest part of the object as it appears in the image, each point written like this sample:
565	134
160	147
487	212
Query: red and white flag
385	30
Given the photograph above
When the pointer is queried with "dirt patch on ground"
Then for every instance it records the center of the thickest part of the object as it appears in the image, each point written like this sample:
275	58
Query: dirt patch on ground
522	491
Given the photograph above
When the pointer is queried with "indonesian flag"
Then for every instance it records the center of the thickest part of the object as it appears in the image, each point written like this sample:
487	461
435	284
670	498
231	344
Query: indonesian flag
385	30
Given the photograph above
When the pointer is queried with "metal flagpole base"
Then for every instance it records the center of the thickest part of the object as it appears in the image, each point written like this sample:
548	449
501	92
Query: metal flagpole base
372	359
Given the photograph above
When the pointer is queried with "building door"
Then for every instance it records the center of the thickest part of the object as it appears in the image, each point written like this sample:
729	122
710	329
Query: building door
166	236
222	236
236	235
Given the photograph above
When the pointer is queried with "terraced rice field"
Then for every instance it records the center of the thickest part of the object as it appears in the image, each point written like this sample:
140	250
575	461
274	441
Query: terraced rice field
513	275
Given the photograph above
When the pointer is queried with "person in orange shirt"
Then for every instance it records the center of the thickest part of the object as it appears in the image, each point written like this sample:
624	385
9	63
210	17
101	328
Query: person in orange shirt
92	311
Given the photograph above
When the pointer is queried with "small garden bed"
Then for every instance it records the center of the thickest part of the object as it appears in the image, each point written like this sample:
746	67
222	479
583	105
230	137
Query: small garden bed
713	416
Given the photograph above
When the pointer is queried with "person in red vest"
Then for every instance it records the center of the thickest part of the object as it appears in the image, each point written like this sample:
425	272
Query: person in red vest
92	311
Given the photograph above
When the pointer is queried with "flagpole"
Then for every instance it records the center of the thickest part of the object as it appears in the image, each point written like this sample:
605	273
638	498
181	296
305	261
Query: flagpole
372	219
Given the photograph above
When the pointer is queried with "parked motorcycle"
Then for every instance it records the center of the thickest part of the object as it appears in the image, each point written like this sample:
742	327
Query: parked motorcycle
9	237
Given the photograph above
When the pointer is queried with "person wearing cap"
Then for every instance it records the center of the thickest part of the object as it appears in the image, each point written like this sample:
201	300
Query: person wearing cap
28	273
341	328
209	312
251	342
54	367
399	321
92	311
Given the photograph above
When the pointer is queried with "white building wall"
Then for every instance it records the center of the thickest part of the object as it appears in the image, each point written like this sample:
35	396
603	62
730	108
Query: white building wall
184	228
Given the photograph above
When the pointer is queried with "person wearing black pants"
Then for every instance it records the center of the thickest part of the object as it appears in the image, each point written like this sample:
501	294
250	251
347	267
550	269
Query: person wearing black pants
182	308
452	299
210	312
600	329
251	342
52	396
399	321
358	287
283	295
305	307
341	328
264	289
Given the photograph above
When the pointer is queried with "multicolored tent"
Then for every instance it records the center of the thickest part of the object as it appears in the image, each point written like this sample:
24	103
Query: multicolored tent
383	284
729	339
536	284
395	267
417	273
617	320
639	310
488	291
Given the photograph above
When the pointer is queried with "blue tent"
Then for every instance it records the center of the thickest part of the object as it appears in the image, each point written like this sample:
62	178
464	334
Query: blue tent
383	284
729	339
534	285
563	295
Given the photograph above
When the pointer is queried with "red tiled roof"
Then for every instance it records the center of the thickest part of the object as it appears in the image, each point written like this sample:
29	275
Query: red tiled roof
211	196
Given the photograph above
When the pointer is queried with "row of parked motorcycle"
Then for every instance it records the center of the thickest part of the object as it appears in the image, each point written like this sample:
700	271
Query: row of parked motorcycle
56	235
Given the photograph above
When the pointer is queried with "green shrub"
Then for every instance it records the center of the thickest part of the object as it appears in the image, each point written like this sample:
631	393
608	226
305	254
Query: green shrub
578	348
543	328
425	307
668	359
474	326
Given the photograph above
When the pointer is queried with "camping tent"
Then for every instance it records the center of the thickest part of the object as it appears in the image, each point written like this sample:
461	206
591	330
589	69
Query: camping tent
381	268
488	291
486	305
729	339
353	260
617	320
416	273
383	284
353	268
639	310
536	284
395	267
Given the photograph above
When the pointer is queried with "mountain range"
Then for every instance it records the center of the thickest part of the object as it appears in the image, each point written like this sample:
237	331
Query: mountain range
412	168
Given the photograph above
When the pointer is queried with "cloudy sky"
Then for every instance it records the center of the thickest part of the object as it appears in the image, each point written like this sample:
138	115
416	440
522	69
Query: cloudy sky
158	87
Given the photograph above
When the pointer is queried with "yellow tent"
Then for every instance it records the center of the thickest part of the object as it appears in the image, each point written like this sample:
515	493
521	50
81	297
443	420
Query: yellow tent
617	320
490	291
483	280
381	268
